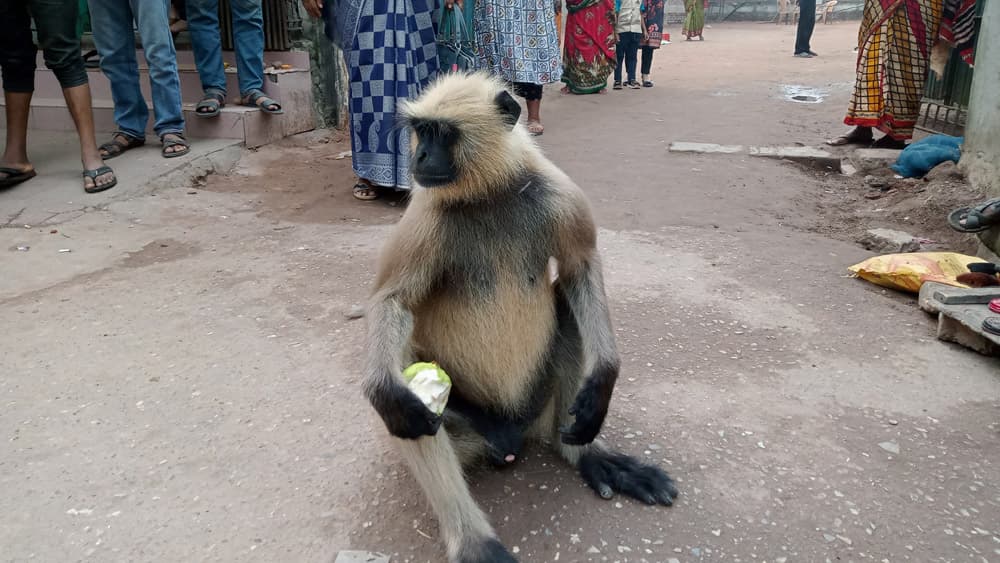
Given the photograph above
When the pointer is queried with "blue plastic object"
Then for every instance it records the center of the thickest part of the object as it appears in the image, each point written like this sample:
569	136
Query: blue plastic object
920	157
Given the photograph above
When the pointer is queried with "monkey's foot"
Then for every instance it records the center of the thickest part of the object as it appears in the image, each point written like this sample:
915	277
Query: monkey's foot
487	551
609	473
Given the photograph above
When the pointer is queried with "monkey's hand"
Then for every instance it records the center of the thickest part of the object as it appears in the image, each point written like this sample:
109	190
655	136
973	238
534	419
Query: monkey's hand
405	415
590	408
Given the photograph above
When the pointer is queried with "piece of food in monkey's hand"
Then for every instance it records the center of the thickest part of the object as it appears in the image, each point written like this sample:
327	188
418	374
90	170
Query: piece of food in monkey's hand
430	384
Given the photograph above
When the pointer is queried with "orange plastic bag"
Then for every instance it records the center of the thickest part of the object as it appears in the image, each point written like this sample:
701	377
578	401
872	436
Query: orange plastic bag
909	271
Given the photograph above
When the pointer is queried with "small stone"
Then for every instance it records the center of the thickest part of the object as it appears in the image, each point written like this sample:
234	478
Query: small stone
673	560
355	312
829	538
845	540
891	447
361	557
893	422
888	241
716	533
515	550
655	447
624	549
593	549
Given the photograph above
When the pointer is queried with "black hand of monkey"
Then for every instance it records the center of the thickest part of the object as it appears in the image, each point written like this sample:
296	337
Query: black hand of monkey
590	408
406	416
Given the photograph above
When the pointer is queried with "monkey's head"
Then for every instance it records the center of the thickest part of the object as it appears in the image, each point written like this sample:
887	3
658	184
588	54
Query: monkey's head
465	139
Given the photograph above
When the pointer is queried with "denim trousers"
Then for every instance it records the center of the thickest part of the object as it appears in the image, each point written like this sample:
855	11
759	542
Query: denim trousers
206	41
627	50
807	22
55	22
111	22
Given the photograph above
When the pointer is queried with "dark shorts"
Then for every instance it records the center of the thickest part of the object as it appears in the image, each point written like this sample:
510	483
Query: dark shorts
56	23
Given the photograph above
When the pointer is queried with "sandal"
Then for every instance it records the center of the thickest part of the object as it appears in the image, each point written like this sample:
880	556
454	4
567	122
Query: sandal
177	141
257	98
93	174
535	128
855	137
365	191
114	148
975	219
992	325
211	103
14	176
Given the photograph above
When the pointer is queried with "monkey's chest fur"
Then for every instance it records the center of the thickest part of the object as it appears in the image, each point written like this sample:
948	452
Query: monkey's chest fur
491	317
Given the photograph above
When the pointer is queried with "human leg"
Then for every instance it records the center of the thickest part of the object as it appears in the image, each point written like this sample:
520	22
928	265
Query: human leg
647	64
161	58
631	52
807	22
206	42
532	94
56	25
248	33
17	61
115	40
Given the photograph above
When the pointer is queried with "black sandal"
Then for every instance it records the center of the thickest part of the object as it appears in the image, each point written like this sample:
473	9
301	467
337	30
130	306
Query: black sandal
113	148
977	218
93	174
211	103
257	98
180	141
14	176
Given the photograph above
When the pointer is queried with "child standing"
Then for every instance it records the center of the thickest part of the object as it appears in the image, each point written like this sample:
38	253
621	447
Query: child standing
631	29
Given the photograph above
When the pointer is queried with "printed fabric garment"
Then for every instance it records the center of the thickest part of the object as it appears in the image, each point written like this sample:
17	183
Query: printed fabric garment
391	54
894	43
589	56
654	10
958	27
517	40
694	21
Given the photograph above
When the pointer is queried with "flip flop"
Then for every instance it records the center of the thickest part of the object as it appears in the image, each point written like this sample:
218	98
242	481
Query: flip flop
257	98
535	128
850	139
992	325
15	176
977	218
211	103
365	191
93	174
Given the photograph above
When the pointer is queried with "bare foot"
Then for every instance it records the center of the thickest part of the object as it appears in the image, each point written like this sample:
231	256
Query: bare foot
535	128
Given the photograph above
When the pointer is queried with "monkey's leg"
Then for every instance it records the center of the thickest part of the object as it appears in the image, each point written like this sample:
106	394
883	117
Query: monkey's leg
604	470
467	534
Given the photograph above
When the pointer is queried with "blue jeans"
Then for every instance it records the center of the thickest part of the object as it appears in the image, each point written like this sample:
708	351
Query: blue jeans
111	21
248	36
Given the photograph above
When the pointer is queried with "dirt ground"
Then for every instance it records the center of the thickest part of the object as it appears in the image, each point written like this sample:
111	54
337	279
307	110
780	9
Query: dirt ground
183	386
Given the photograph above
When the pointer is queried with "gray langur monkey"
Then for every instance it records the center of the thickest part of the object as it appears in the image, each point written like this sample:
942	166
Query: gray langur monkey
465	281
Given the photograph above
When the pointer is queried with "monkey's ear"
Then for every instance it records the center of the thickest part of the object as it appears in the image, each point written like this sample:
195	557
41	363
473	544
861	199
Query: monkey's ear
508	107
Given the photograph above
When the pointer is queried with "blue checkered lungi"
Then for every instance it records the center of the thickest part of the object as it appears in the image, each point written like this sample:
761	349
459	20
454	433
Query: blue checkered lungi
392	57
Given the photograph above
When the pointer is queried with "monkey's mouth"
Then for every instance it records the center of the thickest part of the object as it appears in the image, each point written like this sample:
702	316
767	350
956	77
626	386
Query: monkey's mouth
434	180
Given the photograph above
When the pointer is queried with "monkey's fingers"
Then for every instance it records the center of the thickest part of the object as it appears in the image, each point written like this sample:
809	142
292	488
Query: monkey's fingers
607	473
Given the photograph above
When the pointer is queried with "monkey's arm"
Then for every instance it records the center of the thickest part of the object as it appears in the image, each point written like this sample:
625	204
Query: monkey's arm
581	280
402	281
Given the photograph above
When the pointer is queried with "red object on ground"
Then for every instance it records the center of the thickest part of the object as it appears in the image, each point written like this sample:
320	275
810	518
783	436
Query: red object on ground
995	305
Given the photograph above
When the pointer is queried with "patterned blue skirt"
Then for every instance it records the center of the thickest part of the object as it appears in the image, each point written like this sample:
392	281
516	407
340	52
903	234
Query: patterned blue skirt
392	57
517	40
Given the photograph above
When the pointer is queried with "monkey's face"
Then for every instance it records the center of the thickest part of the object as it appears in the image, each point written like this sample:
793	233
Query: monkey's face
459	127
434	155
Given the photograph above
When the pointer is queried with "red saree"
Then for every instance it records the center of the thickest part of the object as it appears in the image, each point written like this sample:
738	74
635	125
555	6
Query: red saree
589	56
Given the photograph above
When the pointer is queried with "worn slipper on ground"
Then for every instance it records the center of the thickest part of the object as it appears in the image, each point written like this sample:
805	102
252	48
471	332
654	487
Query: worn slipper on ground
257	98
211	103
975	219
93	174
119	144
13	176
535	128
174	140
852	138
365	191
992	325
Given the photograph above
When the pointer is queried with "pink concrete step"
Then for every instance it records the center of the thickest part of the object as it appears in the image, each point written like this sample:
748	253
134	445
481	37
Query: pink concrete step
291	88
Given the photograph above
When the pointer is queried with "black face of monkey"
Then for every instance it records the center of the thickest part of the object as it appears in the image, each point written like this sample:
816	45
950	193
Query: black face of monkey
433	160
433	164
